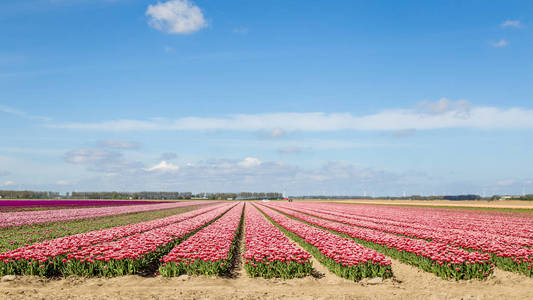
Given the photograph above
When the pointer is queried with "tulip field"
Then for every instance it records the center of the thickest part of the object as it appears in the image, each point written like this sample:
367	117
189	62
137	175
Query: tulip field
266	239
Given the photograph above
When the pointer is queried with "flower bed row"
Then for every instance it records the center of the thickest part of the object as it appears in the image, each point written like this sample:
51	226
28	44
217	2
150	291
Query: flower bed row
493	222
342	256
18	236
209	251
507	252
413	220
441	259
77	254
268	252
43	216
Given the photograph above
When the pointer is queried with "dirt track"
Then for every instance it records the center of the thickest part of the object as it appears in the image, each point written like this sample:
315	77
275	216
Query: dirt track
408	283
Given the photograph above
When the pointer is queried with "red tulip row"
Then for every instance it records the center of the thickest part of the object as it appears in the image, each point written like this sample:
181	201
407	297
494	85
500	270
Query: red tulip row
508	252
439	258
343	256
120	250
209	251
269	253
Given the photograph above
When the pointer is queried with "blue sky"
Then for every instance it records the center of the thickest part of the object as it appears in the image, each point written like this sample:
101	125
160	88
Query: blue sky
332	97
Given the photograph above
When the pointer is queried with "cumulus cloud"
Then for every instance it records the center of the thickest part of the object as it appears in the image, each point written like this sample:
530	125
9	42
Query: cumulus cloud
248	174
511	23
8	183
250	162
116	144
62	182
499	44
425	115
163	166
176	17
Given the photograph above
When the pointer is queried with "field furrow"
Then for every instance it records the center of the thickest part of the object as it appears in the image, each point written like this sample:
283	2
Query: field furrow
438	258
342	256
209	251
269	253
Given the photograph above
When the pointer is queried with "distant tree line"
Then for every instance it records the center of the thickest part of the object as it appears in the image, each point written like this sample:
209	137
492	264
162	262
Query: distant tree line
413	197
258	196
28	195
528	197
139	195
135	196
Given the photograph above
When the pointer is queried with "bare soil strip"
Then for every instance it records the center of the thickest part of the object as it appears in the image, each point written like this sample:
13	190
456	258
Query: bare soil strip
409	283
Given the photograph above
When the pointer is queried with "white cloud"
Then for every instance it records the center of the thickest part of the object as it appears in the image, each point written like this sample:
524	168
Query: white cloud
249	174
163	166
511	23
250	162
62	182
22	114
499	44
423	116
176	17
8	182
116	144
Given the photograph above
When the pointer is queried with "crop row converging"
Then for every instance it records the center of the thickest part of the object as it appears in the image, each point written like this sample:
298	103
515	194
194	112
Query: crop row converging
281	239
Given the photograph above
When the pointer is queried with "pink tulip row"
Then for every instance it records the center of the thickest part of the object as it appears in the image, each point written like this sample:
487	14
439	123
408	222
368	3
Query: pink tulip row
439	258
209	251
70	255
443	234
269	253
506	250
498	223
475	240
58	215
342	256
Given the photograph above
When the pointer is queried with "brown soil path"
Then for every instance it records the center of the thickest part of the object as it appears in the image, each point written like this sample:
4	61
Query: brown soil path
408	283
